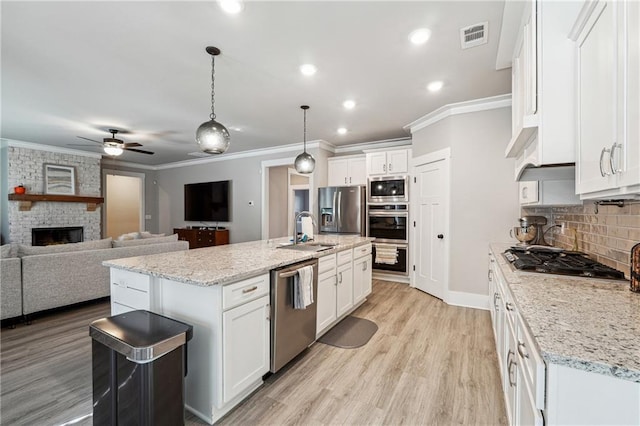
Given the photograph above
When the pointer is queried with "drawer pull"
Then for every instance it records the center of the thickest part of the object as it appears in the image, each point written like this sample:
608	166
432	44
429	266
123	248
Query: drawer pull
509	306
250	289
522	351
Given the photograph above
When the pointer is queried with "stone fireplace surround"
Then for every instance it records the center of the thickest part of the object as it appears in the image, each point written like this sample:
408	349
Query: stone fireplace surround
26	167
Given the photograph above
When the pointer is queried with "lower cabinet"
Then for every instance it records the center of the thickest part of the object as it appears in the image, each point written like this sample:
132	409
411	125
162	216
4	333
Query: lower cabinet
246	346
361	273
344	289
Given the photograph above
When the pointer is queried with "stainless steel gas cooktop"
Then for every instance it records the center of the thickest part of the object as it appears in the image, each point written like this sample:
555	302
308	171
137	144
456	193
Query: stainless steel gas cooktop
555	261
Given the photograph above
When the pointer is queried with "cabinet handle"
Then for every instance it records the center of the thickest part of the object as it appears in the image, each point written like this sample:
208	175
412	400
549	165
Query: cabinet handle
349	179
389	166
440	236
250	289
511	363
384	167
364	266
604	150
525	192
521	350
489	273
509	306
345	179
496	297
340	277
268	306
614	169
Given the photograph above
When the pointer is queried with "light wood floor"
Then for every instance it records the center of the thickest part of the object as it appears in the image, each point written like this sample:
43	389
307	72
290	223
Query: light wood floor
429	363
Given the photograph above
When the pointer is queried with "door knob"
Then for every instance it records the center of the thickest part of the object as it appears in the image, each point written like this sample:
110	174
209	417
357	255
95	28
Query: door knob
440	236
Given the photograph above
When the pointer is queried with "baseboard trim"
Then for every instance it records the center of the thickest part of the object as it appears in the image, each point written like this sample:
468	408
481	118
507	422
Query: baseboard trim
468	300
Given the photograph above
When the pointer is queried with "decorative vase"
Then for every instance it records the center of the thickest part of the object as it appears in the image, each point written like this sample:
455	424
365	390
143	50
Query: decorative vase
19	189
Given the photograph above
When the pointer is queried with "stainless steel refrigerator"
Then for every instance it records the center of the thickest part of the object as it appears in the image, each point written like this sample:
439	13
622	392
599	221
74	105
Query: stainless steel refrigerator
342	209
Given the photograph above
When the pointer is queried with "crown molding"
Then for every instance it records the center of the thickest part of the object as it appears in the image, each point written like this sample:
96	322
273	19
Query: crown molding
385	143
50	148
245	154
483	104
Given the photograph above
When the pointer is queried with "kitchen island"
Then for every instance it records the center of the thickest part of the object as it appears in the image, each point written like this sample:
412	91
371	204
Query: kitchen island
569	347
224	292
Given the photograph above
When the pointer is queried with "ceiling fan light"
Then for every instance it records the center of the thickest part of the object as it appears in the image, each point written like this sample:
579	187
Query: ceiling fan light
114	151
212	137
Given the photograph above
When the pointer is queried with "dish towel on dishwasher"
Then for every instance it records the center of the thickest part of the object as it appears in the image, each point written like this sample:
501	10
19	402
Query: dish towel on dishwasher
303	288
386	253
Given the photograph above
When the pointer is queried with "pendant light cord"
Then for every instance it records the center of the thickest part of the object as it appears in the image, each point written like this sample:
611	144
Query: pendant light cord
305	130
213	80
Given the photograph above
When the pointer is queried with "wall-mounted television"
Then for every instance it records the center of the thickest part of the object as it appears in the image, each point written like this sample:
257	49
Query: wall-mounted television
207	201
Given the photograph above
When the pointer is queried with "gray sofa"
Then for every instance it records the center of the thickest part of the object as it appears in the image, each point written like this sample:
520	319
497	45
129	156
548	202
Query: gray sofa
69	273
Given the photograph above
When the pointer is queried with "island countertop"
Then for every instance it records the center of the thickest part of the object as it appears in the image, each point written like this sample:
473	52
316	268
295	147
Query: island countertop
583	323
225	264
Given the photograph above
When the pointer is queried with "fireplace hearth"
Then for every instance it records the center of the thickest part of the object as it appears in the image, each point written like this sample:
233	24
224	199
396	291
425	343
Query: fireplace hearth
61	235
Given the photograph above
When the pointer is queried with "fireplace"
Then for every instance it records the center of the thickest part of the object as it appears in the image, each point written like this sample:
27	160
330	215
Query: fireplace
63	235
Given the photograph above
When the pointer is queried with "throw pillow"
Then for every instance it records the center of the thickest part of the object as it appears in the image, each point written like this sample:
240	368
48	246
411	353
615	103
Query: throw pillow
129	236
146	241
145	234
24	250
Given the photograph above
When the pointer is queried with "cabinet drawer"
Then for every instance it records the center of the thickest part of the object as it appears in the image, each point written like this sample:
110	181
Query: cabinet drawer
130	296
345	256
327	263
361	251
130	279
532	364
243	291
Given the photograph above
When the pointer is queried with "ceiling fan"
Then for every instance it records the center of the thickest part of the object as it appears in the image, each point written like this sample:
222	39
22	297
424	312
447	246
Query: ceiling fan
114	146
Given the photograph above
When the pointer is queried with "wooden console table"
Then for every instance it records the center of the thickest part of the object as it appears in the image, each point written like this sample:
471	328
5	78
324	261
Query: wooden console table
199	238
26	200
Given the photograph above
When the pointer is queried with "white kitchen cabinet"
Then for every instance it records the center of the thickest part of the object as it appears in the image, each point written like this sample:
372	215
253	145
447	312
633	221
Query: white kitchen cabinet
346	171
608	146
388	163
129	291
327	290
548	193
543	104
362	263
344	289
246	346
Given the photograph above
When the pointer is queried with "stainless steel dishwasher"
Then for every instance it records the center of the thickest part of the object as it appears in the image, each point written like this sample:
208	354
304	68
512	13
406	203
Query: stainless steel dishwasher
292	330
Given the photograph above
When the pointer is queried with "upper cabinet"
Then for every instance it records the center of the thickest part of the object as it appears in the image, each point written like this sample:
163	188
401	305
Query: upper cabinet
608	92
543	102
346	171
388	163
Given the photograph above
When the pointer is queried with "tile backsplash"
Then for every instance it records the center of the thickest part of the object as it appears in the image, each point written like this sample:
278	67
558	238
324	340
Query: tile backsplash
606	236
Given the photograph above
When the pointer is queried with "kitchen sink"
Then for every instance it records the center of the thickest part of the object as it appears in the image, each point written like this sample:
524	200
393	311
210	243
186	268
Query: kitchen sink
313	247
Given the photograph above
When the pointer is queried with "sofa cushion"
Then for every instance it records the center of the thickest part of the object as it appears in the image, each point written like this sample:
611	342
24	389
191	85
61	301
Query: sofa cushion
7	251
24	250
145	241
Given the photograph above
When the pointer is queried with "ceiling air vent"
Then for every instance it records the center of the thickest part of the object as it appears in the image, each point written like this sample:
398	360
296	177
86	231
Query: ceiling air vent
474	35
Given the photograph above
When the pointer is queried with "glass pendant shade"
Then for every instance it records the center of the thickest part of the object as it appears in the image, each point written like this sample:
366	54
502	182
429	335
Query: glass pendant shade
212	137
305	163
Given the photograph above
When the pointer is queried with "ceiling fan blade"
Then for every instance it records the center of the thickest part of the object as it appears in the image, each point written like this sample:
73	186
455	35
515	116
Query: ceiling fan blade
139	150
89	139
131	144
81	144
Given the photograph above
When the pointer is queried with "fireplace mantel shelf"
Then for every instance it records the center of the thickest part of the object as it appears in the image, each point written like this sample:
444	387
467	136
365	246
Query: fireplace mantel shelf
26	200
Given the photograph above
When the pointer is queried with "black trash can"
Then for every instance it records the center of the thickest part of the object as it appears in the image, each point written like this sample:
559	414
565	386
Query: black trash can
139	365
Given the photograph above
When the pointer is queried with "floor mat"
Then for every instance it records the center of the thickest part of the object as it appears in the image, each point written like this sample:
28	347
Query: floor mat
351	332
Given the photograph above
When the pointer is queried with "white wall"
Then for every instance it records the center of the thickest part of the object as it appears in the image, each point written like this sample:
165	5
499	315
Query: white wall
484	203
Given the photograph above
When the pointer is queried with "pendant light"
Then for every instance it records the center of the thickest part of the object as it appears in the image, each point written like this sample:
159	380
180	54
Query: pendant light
305	163
211	136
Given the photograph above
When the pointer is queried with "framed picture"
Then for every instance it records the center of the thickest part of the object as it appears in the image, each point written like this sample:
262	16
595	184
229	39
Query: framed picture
59	179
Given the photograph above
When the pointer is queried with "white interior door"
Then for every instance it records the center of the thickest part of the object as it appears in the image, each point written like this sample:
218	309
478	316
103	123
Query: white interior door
431	212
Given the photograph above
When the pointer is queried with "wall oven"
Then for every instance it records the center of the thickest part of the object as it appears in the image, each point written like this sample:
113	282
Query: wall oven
388	223
388	189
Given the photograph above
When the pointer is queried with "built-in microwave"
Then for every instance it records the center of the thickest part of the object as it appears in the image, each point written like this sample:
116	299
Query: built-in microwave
393	189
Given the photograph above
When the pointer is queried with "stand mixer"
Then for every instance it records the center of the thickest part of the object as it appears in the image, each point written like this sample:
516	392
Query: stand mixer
535	222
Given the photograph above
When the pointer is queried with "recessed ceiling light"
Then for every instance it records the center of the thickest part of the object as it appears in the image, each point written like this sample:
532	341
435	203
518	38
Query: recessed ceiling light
308	69
231	6
420	36
434	86
349	104
342	131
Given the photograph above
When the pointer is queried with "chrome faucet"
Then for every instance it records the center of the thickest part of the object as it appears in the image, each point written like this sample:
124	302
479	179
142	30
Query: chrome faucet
295	222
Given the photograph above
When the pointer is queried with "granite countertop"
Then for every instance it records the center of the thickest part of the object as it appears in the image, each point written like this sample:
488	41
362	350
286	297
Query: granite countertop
583	323
225	264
